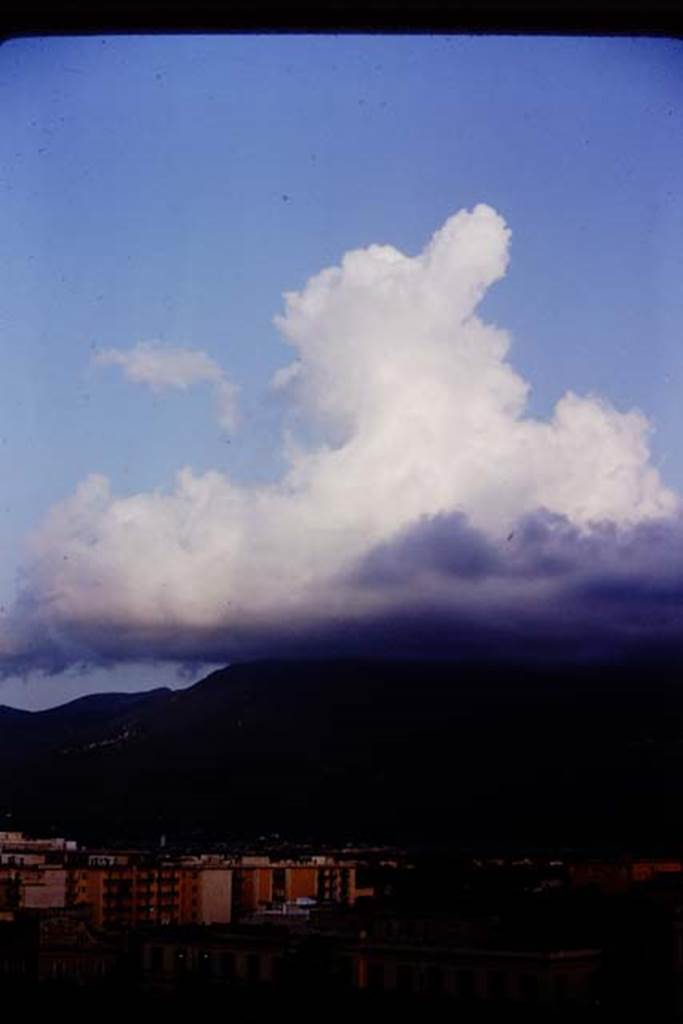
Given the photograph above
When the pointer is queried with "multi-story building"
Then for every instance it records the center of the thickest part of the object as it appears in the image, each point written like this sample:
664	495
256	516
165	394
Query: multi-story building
468	959
620	874
260	882
32	885
488	974
153	893
366	963
17	842
132	888
241	955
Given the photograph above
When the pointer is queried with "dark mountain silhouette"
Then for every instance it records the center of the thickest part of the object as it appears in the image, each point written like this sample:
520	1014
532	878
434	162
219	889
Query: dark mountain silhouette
378	750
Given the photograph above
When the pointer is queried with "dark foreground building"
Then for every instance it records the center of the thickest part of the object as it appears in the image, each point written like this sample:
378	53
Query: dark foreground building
44	946
346	954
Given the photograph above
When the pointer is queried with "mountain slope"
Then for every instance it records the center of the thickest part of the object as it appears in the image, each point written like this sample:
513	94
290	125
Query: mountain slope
360	749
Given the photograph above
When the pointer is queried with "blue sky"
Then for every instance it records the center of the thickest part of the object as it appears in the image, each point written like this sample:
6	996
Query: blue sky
171	189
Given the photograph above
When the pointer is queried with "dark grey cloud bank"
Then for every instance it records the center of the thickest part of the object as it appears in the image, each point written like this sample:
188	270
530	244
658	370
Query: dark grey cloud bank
441	589
541	546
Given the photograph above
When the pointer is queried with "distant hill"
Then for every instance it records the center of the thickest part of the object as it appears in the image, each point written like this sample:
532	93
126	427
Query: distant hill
382	750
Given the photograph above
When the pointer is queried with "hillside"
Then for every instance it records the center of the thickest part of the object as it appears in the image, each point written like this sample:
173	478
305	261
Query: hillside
383	750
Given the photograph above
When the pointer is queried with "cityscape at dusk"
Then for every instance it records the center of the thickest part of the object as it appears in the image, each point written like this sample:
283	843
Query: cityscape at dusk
341	544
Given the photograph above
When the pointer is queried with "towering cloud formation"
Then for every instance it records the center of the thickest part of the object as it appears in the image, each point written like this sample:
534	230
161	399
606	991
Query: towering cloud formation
425	414
421	428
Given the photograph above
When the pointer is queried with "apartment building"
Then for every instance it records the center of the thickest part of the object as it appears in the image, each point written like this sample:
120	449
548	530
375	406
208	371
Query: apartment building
133	888
619	875
260	882
17	842
165	893
32	885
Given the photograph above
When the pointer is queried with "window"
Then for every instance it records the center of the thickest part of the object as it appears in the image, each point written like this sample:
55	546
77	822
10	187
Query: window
375	977
279	885
346	972
279	970
253	968
561	987
227	966
495	985
465	984
204	964
528	987
404	978
433	979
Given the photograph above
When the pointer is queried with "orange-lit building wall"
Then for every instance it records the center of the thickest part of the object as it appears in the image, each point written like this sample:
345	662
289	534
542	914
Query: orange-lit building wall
254	884
263	885
133	895
301	882
642	870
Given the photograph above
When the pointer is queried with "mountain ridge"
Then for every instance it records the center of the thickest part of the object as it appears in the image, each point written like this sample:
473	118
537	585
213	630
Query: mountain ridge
362	748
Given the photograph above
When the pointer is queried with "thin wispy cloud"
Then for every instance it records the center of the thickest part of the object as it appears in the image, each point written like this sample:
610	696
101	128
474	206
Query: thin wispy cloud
429	497
164	368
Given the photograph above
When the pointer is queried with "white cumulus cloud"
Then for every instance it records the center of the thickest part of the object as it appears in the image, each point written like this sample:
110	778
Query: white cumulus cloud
418	413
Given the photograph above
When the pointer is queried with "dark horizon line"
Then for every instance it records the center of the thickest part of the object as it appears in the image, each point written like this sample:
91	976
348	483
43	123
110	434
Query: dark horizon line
538	668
